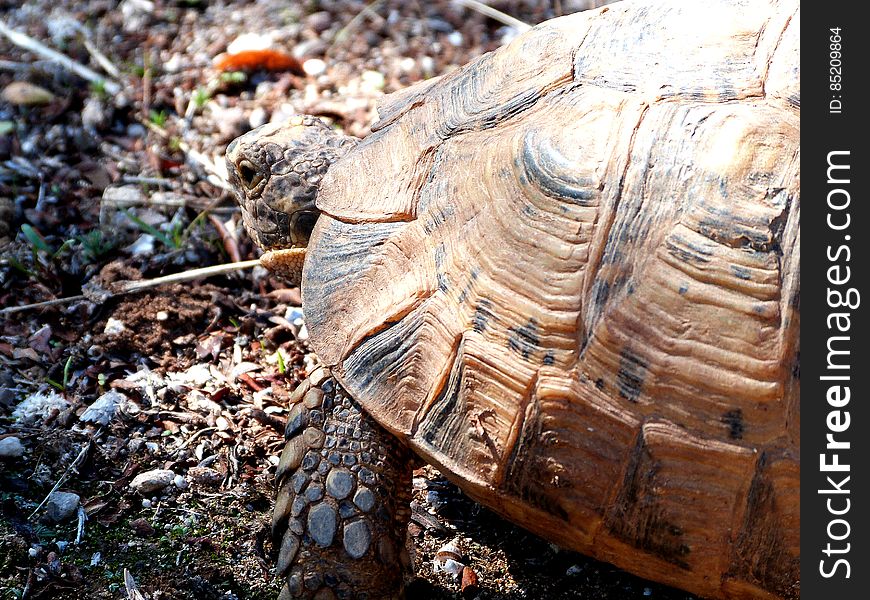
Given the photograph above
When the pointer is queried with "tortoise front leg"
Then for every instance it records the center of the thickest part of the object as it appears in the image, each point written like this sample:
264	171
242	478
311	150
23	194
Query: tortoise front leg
343	502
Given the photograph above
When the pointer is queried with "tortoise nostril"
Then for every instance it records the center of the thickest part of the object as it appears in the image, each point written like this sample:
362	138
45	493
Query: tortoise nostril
249	175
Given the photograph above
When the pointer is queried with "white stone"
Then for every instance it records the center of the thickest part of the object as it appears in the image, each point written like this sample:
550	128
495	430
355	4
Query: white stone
314	67
114	327
258	117
11	447
372	81
152	481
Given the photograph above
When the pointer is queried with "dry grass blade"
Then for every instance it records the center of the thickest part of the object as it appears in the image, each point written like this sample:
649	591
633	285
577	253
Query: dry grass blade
494	13
133	592
24	41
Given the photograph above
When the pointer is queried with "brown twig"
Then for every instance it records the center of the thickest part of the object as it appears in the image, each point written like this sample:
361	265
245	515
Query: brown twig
129	287
230	244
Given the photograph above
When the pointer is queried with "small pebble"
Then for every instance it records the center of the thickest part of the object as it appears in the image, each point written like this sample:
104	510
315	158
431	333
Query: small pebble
152	481
94	114
11	447
180	482
258	117
372	81
146	503
574	570
61	506
114	327
142	527
427	63
205	476
162	315
22	93
135	130
33	552
407	64
314	67
319	21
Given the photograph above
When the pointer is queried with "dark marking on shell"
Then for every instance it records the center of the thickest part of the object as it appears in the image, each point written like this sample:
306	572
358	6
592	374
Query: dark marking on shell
553	173
740	272
524	340
482	315
636	516
528	466
631	375
689	253
736	425
761	535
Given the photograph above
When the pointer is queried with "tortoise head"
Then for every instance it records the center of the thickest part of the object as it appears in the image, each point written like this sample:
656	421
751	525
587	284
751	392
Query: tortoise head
275	171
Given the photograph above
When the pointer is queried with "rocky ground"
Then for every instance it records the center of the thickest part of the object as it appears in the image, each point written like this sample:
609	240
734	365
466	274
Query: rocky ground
139	430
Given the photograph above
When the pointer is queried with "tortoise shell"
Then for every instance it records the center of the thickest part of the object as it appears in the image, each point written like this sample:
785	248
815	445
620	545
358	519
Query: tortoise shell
567	274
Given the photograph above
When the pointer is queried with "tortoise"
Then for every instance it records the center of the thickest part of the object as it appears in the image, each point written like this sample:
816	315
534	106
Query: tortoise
566	275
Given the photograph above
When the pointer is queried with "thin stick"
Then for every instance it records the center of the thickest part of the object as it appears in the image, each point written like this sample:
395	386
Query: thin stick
496	14
195	435
102	60
367	10
24	41
63	477
129	287
14	309
11	65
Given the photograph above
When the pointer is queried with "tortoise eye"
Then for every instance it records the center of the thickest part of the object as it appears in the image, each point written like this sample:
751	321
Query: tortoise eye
249	175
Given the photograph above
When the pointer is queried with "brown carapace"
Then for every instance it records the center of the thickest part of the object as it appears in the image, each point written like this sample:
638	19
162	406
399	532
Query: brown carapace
567	275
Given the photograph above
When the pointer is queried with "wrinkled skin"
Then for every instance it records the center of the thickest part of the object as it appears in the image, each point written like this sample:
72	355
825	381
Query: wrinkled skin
276	171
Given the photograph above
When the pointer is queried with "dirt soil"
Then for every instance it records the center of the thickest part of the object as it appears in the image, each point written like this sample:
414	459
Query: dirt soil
102	185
